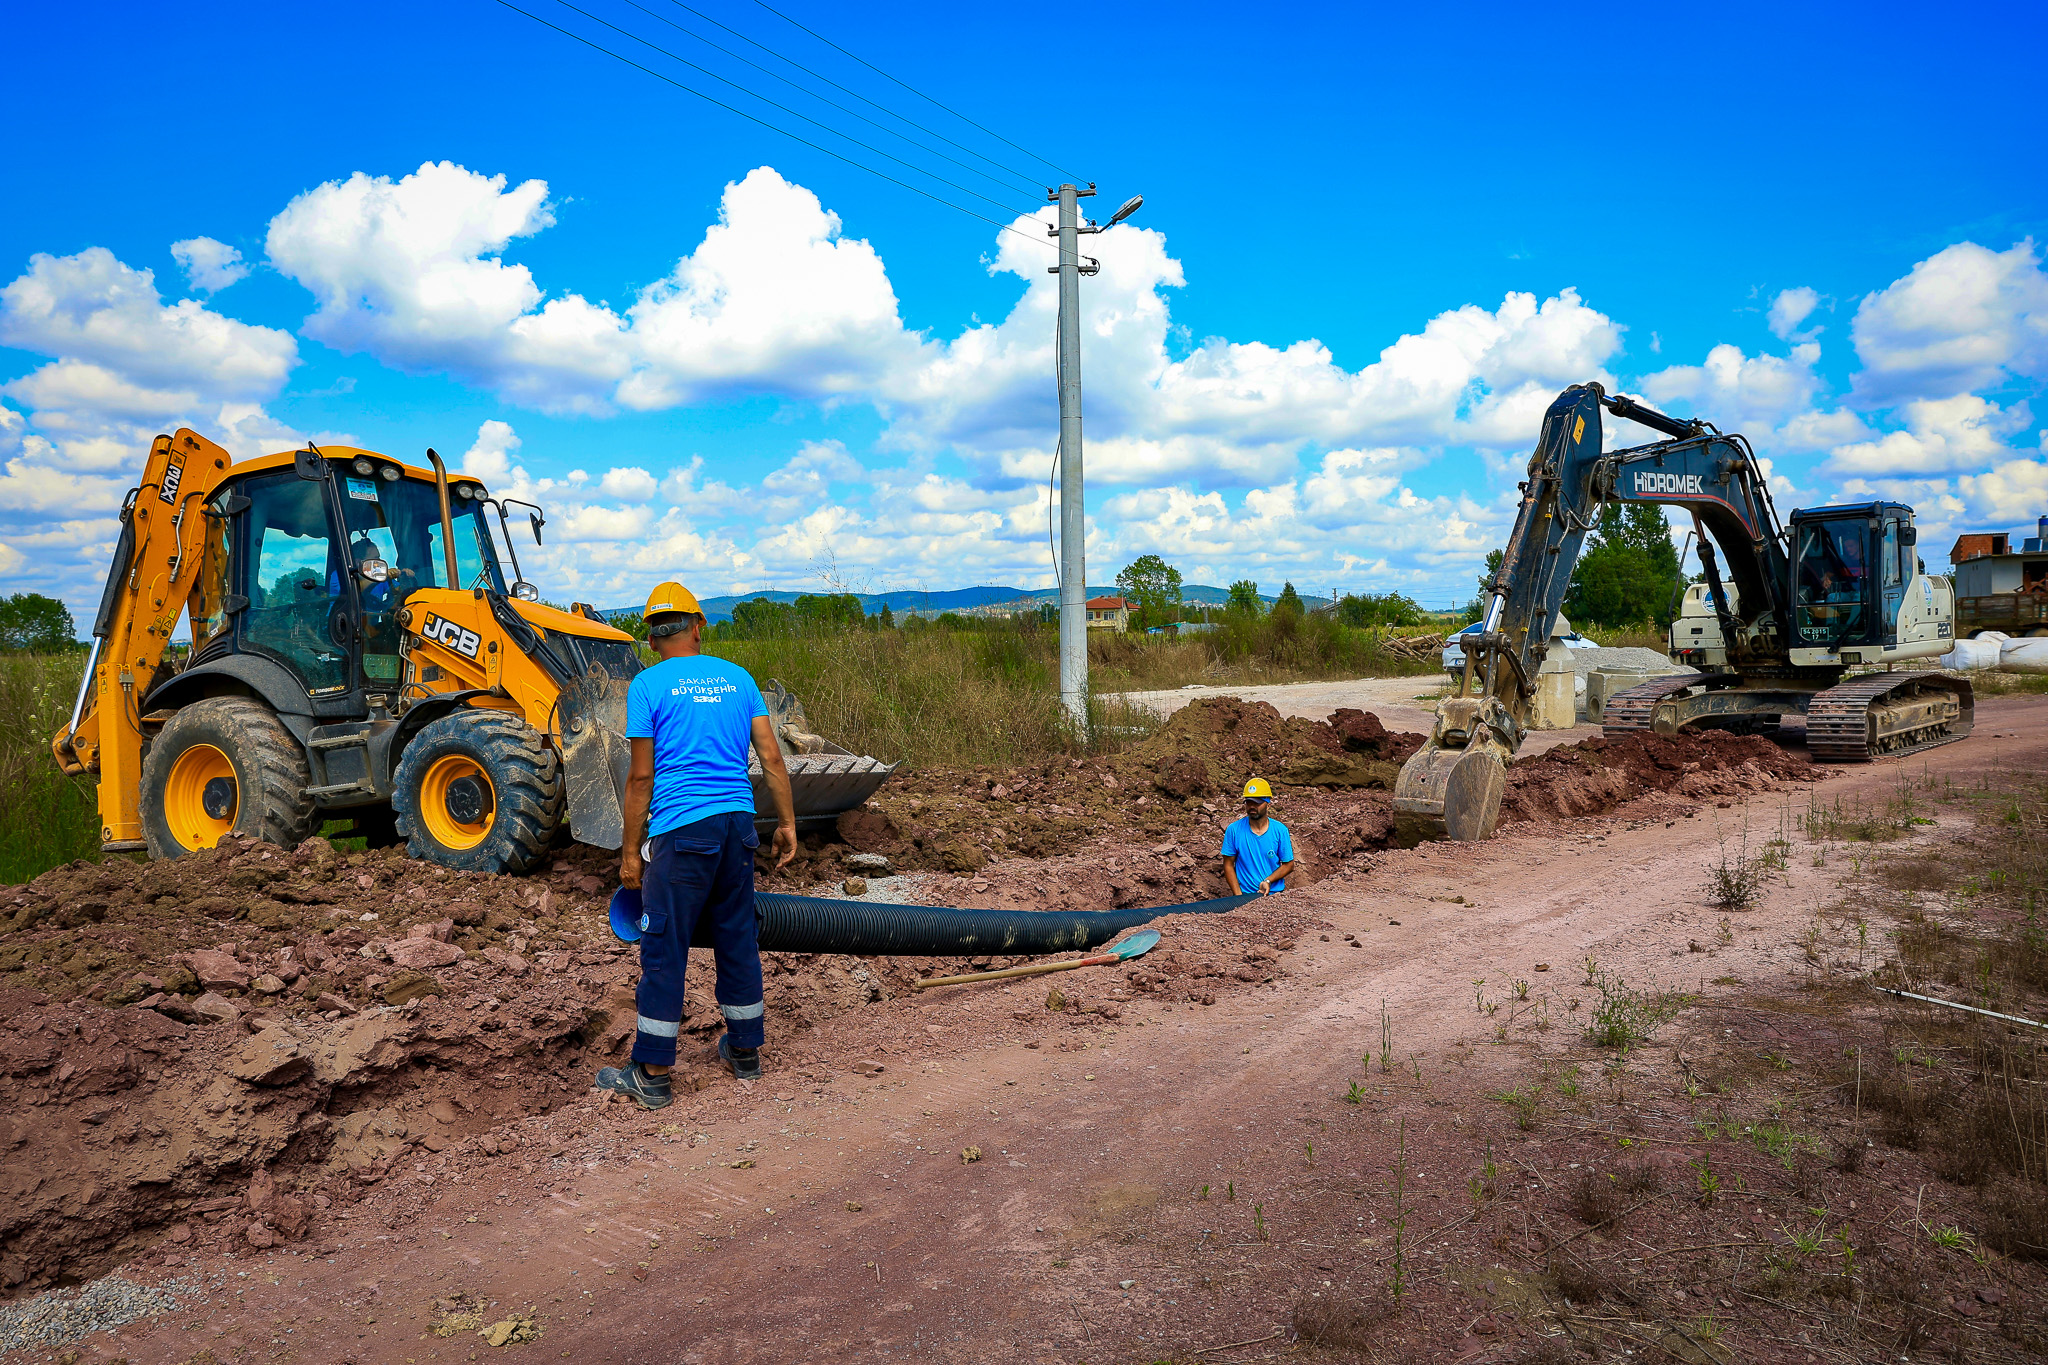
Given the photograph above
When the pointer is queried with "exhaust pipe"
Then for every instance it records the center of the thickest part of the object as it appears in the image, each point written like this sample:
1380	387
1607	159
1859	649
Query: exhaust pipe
447	520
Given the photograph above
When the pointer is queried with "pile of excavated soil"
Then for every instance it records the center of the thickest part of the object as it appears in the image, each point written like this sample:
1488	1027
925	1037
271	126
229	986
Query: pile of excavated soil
1596	775
1179	786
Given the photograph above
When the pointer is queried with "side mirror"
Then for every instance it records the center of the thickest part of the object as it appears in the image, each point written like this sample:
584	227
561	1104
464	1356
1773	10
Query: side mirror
525	591
309	463
234	504
374	571
1909	535
534	520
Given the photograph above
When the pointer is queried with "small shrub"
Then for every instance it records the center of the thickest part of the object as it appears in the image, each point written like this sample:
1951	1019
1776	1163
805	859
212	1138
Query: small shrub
1597	1200
1579	1281
1737	884
1523	1101
1626	1016
1330	1322
2014	1217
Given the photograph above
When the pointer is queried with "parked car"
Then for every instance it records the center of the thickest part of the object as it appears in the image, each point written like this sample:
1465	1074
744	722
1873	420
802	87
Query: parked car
1454	649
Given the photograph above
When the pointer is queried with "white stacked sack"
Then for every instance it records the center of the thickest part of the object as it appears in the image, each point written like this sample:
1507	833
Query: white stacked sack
2024	656
1982	652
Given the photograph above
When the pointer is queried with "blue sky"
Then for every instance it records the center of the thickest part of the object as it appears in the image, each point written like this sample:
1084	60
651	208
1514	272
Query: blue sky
1374	245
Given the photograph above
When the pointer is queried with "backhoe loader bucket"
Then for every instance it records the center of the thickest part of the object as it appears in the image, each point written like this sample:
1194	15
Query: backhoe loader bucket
825	780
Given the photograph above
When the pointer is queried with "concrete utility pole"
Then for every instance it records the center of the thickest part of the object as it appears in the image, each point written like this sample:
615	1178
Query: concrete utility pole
1073	510
1073	565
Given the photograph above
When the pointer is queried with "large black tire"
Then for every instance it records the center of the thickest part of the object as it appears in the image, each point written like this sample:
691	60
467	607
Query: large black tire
223	766
478	791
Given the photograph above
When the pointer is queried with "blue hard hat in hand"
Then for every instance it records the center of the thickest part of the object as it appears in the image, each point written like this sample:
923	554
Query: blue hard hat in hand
626	914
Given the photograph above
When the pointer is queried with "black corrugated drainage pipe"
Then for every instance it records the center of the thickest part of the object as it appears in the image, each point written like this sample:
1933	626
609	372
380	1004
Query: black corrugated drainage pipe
816	924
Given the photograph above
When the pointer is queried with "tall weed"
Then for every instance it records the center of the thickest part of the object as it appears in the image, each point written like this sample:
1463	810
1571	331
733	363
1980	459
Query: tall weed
46	818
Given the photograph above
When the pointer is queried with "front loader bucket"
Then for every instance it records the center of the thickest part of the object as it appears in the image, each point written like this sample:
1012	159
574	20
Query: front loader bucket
825	780
1449	794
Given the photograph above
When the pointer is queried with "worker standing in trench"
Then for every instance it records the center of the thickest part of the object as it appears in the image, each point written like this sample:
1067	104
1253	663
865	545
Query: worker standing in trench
1258	852
689	719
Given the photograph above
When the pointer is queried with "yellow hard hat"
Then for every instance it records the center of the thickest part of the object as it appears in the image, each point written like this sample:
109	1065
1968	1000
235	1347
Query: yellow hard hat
668	597
1258	790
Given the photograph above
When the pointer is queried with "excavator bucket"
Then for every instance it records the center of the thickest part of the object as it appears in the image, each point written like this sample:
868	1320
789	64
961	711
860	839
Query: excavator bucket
825	780
1451	788
1449	794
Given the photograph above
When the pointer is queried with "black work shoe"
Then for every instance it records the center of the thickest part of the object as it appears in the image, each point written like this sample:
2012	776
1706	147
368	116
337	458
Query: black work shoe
744	1061
643	1087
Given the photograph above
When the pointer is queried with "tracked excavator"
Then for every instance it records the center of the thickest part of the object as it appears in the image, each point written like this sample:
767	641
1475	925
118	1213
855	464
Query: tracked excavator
359	652
1799	607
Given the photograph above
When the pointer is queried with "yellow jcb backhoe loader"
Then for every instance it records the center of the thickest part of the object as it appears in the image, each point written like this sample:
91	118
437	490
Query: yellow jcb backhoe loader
357	653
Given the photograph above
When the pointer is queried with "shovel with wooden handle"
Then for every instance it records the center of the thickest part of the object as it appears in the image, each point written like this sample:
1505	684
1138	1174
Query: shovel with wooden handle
1136	945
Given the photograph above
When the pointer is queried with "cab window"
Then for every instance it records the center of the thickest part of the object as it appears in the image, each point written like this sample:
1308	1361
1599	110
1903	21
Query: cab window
294	585
1831	577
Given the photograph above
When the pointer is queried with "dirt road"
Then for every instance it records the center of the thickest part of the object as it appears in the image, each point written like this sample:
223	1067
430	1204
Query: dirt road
1175	1179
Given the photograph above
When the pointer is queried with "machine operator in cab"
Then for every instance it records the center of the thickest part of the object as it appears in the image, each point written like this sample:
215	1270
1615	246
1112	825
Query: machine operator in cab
690	841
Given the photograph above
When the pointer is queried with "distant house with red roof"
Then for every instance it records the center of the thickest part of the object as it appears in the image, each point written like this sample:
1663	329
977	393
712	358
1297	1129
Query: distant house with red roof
1109	613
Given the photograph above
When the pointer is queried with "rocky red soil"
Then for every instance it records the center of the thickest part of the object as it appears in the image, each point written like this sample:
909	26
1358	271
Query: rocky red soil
254	1052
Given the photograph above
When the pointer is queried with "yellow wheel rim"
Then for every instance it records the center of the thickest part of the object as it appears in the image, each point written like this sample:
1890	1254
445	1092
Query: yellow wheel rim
457	802
201	797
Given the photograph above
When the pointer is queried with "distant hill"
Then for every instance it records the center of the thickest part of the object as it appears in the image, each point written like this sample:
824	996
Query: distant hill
903	601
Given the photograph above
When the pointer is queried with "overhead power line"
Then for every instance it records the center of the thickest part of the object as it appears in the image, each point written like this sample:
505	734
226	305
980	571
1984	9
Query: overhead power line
864	146
755	118
913	89
1025	176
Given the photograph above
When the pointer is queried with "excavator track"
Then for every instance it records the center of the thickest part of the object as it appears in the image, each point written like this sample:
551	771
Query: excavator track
1628	712
1885	715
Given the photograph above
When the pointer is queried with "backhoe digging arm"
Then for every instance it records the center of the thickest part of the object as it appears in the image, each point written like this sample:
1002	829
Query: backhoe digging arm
1452	787
155	574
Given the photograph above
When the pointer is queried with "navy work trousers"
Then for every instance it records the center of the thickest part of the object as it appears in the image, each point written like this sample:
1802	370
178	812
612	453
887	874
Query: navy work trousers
704	869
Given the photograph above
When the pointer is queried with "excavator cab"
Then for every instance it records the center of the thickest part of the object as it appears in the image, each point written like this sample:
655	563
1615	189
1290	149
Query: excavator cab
1851	571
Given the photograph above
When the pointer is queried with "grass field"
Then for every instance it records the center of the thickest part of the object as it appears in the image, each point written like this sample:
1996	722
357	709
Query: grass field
46	818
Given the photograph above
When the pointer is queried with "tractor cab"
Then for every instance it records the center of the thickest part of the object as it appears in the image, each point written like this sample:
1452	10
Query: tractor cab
1852	568
309	573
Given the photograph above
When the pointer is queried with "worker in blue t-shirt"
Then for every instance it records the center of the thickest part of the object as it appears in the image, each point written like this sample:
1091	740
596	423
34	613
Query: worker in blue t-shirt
690	719
1258	852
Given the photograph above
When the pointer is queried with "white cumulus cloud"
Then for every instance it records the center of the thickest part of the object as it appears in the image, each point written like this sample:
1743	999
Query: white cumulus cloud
211	266
1790	308
1942	436
1960	320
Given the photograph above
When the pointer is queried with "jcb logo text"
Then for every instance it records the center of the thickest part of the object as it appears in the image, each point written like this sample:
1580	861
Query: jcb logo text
445	632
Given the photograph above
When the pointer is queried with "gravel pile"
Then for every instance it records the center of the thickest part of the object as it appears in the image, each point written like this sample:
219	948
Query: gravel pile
63	1316
1584	661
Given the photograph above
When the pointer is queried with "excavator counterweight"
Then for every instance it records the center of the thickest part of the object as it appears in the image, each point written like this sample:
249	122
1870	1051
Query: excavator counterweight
1800	606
